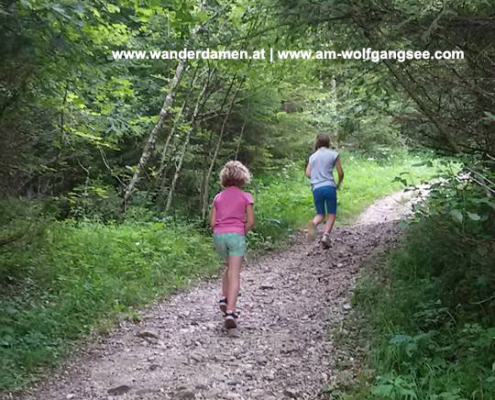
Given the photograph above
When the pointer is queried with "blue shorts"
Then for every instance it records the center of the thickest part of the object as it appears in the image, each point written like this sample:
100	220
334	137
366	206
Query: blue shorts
325	196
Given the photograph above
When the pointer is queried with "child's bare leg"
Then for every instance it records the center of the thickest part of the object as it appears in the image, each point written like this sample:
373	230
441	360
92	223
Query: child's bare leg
312	224
318	219
234	281
225	281
329	224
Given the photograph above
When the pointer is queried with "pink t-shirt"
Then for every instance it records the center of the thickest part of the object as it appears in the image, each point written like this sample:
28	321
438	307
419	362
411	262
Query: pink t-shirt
230	205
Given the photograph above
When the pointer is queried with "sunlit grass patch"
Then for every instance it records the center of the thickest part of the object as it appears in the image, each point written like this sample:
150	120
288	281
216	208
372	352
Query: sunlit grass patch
284	201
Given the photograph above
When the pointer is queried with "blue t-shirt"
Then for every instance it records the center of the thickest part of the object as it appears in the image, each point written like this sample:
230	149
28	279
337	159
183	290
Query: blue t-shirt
322	162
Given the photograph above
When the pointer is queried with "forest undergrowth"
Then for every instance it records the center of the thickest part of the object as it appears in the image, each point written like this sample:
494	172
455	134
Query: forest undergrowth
427	307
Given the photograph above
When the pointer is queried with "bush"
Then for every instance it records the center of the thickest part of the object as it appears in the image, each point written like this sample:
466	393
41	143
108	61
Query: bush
95	202
22	223
434	324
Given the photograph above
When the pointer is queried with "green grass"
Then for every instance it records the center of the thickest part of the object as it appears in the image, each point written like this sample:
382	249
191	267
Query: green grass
77	278
284	202
64	279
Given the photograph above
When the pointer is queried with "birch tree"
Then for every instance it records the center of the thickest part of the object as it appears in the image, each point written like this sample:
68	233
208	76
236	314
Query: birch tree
186	142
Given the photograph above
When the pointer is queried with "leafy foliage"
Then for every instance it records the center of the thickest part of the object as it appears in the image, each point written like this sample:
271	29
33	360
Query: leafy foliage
433	321
435	101
79	131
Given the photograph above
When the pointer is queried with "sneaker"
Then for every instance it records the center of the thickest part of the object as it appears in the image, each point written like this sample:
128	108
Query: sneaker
325	240
311	231
223	305
230	318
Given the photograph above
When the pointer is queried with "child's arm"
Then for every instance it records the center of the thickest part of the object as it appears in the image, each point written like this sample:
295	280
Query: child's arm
250	220
213	216
308	171
340	171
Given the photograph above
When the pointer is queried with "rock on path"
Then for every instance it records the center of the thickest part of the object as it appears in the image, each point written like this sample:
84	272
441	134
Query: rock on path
282	349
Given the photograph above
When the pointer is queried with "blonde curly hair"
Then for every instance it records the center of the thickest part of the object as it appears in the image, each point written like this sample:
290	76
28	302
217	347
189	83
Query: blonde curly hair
234	173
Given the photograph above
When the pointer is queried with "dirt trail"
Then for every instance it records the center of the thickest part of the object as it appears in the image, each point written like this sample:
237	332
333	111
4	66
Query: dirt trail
282	349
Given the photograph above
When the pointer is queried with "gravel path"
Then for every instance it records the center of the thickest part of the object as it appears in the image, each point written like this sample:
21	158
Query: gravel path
282	349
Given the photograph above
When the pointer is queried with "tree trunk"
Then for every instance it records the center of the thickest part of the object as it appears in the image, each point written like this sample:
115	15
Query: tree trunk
167	104
210	139
185	145
239	141
204	200
163	158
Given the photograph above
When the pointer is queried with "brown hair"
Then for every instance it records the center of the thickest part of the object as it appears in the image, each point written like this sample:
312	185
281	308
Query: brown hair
234	173
322	140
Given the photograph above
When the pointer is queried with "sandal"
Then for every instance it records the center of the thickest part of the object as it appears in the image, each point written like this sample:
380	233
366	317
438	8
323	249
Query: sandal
223	305
230	317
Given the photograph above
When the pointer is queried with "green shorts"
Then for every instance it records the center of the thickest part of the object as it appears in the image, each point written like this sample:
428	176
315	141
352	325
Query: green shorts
230	244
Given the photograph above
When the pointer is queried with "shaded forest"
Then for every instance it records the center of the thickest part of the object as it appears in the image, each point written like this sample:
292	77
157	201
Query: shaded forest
129	151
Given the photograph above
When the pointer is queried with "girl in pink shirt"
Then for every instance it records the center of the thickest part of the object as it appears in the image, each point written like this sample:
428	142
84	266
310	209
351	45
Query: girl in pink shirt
232	216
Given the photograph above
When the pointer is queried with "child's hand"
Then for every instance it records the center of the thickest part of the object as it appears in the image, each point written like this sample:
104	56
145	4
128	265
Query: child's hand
250	220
